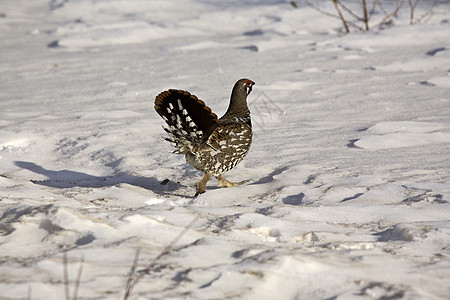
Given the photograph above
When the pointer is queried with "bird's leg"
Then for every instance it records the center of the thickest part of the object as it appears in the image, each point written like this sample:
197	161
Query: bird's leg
201	185
225	183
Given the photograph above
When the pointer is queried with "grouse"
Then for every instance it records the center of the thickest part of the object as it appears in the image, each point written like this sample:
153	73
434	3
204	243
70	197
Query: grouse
210	144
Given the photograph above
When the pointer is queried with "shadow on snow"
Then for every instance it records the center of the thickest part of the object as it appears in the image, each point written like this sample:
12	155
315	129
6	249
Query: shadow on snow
70	179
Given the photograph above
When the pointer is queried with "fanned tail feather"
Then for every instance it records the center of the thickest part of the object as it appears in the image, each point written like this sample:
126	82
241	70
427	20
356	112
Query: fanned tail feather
190	122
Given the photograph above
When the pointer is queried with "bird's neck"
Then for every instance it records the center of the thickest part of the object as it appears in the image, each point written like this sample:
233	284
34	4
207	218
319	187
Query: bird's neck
237	109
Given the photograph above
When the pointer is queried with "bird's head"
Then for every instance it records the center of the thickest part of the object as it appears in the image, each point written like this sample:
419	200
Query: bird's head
245	85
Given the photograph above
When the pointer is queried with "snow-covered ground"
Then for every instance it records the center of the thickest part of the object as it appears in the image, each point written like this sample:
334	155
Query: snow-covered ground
349	185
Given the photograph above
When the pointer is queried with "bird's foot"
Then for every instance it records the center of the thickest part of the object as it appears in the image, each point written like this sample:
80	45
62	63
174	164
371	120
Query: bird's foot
201	185
226	184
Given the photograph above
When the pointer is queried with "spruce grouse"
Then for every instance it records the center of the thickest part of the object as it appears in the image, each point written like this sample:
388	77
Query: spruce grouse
209	144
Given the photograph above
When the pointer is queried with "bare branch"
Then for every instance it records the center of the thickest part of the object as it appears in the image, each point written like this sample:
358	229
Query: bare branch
349	11
345	12
374	4
366	17
147	270
77	281
394	14
398	8
413	8
341	16
326	13
388	16
428	12
66	277
132	272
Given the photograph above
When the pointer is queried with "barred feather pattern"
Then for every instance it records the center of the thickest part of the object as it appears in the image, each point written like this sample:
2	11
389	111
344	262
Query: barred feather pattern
209	144
189	120
226	147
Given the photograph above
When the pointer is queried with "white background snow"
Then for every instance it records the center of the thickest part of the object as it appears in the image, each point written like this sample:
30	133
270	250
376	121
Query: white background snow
349	185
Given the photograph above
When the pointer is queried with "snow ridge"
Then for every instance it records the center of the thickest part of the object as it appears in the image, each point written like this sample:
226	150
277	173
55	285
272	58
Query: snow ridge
348	189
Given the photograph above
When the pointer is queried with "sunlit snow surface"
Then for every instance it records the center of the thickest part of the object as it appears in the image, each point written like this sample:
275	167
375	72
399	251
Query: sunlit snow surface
348	193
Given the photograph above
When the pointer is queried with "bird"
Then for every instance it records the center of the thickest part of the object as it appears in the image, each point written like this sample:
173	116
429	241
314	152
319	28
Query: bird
210	144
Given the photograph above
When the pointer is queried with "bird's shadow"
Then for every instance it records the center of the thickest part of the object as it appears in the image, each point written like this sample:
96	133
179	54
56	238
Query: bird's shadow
70	179
63	179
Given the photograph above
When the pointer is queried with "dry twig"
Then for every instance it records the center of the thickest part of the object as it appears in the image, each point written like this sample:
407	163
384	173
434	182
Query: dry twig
374	5
132	283
66	278
349	11
77	281
344	13
326	13
413	8
133	269
347	30
389	16
366	15
429	12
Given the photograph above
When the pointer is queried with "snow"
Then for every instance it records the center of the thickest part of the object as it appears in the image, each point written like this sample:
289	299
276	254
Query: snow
396	134
348	176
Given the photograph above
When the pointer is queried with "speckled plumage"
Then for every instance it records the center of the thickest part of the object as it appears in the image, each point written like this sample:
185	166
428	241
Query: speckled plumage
211	145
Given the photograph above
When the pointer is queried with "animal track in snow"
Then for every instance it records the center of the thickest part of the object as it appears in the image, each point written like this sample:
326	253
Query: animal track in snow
14	144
